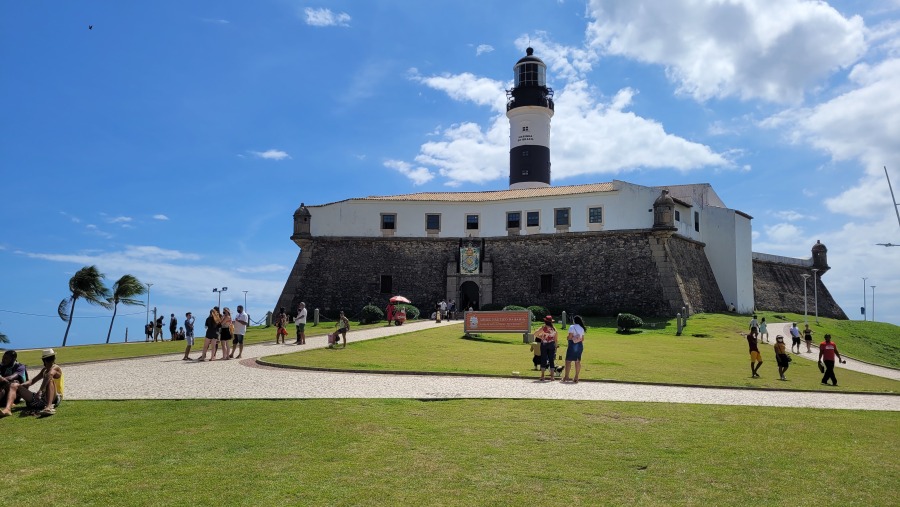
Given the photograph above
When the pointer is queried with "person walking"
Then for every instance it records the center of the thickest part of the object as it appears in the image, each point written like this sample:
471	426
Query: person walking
549	341
795	337
148	330
754	326
390	313
343	325
158	330
781	357
763	331
188	335
576	346
211	338
807	337
300	322
827	350
755	356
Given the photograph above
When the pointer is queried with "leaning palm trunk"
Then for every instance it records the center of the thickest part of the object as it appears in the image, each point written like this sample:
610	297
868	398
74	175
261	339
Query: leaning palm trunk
108	333
71	313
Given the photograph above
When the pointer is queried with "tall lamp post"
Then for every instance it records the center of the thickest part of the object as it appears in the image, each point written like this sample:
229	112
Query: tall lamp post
805	278
816	293
245	300
220	291
873	302
864	297
148	300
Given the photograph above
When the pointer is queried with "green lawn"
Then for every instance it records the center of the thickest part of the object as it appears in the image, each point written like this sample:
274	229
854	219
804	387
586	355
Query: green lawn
82	353
458	452
717	356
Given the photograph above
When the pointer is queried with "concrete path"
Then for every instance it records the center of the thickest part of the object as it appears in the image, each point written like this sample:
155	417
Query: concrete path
168	377
783	328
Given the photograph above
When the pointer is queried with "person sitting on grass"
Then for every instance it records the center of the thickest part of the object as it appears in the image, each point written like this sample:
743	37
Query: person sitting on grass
536	350
50	394
12	373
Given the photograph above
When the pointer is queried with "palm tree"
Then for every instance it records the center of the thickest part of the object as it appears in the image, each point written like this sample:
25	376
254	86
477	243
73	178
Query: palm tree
3	338
87	284
123	291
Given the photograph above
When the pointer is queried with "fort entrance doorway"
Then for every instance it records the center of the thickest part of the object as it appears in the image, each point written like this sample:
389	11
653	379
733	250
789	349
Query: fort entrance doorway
468	295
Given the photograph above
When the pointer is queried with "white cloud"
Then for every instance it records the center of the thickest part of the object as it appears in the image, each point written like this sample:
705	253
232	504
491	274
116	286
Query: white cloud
119	220
792	215
467	87
324	17
418	175
784	233
93	229
267	268
483	48
769	49
160	216
74	219
216	21
271	154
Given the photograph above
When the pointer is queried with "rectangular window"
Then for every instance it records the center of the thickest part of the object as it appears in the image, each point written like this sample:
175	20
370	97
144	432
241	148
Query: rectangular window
546	284
433	222
513	220
387	284
697	221
471	222
595	215
533	219
677	216
388	221
562	216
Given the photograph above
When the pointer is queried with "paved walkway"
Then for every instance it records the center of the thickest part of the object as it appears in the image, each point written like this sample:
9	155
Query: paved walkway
168	377
783	328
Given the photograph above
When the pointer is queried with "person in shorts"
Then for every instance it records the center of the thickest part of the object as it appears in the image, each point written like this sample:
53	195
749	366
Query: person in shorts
754	327
12	373
300	321
241	321
575	347
188	335
536	351
795	337
807	337
343	325
781	356
755	357
50	394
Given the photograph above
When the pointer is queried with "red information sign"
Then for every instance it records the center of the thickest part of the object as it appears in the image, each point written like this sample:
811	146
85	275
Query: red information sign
513	321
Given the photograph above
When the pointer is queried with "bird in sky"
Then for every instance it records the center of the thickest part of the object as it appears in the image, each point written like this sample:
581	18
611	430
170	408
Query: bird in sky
90	27
886	244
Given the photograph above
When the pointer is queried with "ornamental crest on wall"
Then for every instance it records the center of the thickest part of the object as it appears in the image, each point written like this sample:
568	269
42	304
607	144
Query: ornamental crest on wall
469	259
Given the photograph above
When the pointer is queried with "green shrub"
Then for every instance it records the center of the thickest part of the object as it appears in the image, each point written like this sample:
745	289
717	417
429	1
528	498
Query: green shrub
412	313
538	312
508	308
626	322
491	307
370	314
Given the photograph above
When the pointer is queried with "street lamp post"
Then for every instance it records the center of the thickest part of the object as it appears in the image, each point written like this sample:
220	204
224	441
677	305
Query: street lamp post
220	291
805	278
816	293
245	299
864	297
873	302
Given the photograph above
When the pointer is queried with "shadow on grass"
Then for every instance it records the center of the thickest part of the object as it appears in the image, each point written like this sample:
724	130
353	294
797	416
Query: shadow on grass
486	340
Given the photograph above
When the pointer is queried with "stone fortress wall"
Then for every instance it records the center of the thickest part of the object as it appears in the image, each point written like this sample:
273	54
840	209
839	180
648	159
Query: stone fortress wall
778	287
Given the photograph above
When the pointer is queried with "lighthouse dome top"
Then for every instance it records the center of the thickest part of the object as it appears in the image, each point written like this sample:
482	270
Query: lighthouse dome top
529	57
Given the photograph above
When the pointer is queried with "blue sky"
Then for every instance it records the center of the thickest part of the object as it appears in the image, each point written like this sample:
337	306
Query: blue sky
174	140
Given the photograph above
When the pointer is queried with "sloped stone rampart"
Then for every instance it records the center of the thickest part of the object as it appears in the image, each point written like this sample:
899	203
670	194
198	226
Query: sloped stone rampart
779	288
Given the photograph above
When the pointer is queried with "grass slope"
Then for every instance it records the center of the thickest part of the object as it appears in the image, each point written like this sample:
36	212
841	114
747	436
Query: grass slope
458	452
716	356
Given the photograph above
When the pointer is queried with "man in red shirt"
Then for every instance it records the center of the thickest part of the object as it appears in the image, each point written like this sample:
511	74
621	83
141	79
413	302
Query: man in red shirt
827	351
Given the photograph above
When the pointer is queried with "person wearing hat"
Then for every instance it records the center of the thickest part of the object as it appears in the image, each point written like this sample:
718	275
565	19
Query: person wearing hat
12	373
547	335
50	394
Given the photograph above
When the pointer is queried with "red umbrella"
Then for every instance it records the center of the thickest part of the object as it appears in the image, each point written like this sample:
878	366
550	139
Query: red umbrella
400	299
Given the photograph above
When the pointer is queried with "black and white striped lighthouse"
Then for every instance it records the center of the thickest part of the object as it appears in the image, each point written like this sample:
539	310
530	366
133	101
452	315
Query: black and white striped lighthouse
529	107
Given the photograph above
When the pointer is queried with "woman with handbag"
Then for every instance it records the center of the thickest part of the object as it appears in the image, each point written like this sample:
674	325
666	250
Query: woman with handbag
781	356
211	338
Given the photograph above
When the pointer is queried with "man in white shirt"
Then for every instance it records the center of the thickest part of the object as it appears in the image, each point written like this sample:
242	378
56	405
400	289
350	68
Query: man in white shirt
300	321
240	322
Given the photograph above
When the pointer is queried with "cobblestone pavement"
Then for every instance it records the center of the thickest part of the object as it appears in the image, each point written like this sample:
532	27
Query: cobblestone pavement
168	377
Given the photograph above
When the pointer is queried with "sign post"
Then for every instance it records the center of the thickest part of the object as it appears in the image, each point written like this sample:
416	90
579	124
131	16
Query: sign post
514	321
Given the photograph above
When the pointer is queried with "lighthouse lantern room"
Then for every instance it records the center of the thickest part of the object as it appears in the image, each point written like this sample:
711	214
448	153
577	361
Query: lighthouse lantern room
529	107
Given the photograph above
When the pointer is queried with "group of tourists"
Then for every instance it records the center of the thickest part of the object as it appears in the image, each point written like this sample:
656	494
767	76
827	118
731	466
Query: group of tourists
827	350
223	331
153	331
546	343
15	385
281	322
